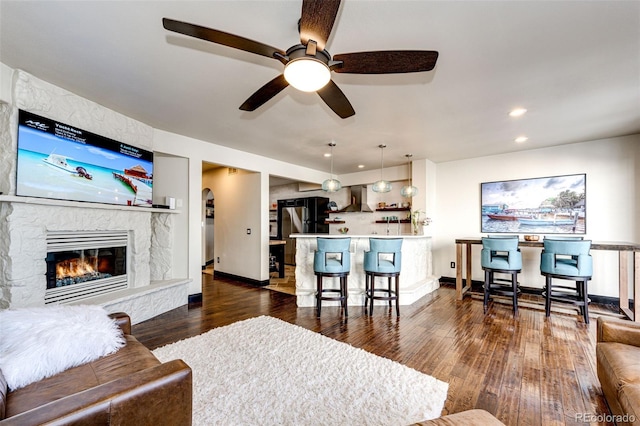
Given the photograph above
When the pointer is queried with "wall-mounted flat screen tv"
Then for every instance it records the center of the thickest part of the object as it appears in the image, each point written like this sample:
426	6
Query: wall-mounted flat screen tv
62	162
546	205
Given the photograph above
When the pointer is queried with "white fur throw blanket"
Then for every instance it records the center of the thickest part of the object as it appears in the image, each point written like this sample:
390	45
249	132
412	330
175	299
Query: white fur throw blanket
36	343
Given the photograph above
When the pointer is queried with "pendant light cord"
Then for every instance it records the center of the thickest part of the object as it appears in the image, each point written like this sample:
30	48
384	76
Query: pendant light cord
332	144
382	147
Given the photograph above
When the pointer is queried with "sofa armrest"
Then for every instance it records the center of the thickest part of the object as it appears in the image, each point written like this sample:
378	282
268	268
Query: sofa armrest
156	395
123	320
618	330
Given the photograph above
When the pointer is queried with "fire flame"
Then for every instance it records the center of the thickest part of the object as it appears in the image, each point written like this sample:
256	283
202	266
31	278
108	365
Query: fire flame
76	267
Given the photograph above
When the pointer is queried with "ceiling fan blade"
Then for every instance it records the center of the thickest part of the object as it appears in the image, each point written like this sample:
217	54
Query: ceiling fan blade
336	100
265	93
317	21
386	61
221	37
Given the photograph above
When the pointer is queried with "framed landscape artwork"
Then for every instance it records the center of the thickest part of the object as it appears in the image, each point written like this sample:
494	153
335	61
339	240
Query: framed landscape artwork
547	205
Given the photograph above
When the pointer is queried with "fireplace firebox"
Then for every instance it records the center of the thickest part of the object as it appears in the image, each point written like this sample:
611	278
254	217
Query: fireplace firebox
85	264
81	266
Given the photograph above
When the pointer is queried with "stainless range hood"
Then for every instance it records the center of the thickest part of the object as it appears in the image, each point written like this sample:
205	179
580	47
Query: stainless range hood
358	200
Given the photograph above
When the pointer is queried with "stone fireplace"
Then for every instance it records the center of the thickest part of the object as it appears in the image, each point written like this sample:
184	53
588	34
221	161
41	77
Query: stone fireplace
27	225
34	230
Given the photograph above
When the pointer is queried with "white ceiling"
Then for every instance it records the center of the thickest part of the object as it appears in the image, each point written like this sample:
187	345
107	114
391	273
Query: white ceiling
575	65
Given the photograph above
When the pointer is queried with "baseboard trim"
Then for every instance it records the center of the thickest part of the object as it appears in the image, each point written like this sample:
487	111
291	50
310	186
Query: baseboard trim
195	298
476	286
257	283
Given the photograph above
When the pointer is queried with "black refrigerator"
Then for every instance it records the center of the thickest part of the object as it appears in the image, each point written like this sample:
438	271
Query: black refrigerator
301	216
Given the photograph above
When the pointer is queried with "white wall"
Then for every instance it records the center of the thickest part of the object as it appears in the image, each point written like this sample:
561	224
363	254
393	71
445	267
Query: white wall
239	253
613	187
6	83
170	179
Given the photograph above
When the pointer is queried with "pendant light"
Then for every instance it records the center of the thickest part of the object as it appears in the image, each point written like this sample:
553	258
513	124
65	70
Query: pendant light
331	184
409	191
382	185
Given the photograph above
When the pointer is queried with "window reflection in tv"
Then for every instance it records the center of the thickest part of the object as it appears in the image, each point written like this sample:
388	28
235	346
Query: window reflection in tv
62	162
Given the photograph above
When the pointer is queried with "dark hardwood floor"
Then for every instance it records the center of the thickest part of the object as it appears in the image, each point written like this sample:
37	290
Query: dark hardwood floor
526	371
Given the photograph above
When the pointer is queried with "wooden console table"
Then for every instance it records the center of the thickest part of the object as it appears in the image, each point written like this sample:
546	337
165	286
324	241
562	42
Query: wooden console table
625	251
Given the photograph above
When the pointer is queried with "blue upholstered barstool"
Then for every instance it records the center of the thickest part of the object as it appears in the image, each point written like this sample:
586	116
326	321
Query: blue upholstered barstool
501	255
567	259
332	259
384	259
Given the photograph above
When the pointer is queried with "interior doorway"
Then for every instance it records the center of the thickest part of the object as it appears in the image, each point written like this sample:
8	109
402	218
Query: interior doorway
208	217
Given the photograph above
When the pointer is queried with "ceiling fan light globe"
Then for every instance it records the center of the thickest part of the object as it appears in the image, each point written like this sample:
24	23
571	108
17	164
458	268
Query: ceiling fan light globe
307	74
331	185
382	186
408	191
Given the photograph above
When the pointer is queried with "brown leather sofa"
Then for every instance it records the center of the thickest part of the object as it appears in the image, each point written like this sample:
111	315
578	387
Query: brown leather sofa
618	364
129	387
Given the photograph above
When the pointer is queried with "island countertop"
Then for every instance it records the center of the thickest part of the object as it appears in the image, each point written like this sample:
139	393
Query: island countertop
416	276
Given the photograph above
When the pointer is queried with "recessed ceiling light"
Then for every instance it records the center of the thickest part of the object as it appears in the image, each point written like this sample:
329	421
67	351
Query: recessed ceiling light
361	166
521	139
517	112
326	154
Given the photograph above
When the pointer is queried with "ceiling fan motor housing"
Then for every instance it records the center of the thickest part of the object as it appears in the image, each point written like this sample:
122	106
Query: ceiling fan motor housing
300	51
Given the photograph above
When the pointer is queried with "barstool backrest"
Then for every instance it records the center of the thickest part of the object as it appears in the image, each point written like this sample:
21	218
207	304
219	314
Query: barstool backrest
568	257
332	255
564	237
501	253
384	255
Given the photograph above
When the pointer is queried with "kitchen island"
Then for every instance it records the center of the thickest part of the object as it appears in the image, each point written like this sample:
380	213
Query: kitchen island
416	275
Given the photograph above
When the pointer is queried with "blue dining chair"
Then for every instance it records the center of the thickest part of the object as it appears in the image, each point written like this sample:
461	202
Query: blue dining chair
332	259
501	255
384	259
567	259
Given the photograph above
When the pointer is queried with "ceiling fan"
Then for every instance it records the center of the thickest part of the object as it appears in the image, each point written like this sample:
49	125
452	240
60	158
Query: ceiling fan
308	65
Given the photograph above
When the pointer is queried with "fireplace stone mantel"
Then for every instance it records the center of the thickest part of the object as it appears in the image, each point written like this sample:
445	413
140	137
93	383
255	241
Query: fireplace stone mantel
80	204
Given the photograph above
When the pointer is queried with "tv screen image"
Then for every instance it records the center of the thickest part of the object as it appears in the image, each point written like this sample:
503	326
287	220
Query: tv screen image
62	162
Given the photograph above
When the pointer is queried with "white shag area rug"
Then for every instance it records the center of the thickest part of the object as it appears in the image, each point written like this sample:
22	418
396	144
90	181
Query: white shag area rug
265	371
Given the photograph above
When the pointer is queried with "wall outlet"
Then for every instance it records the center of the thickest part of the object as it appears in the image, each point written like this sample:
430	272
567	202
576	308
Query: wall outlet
248	231
218	259
453	265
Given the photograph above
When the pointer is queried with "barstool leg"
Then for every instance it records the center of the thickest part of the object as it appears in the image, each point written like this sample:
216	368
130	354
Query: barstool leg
372	289
389	287
318	294
398	295
486	289
585	298
366	292
514	286
343	290
547	303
